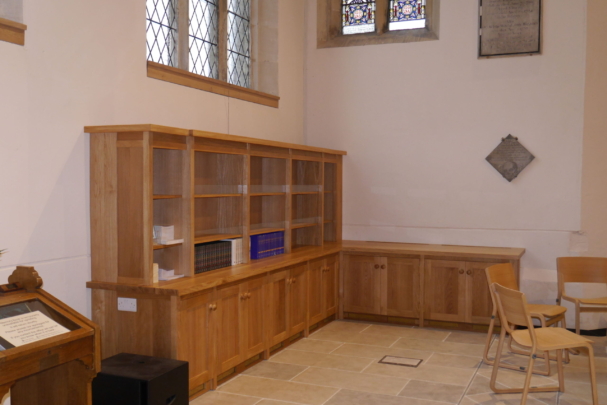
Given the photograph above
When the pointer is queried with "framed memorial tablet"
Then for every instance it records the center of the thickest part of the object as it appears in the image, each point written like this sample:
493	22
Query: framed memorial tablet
509	27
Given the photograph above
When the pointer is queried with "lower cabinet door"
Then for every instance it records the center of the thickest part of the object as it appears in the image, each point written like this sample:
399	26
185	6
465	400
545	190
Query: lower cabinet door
445	290
315	304
402	287
362	284
194	338
228	345
298	298
329	285
252	295
276	312
479	302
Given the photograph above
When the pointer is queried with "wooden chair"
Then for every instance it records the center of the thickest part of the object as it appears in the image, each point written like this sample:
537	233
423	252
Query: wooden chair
513	311
503	274
582	270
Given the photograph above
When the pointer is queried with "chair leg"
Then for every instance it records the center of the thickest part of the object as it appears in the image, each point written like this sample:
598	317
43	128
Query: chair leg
595	395
496	361
488	341
559	367
528	379
577	318
567	359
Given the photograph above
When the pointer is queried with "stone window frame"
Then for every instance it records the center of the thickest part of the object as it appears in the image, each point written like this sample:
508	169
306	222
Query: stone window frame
264	57
329	26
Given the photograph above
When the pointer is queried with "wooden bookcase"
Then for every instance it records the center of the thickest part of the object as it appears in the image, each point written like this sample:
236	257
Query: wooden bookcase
209	187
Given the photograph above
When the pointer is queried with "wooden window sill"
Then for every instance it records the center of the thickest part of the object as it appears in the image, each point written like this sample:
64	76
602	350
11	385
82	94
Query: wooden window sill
13	32
185	78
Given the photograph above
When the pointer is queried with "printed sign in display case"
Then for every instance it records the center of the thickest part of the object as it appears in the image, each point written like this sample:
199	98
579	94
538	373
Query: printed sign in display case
49	353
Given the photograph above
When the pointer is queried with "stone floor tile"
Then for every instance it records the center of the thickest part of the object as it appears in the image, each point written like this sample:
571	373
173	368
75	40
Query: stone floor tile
516	379
407	332
277	371
480	385
433	391
348	397
440	347
376	352
475	338
444	375
353	381
280	390
453	360
321	360
317	346
360	338
222	398
505	399
582	374
346	326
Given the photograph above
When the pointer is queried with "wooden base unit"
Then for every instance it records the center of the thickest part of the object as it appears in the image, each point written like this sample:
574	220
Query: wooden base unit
222	321
421	282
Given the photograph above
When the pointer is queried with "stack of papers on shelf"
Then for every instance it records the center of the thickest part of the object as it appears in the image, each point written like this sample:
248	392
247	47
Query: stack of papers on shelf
170	242
165	275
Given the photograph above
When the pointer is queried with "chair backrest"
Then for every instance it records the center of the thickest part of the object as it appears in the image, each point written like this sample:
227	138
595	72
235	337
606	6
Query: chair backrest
503	274
580	270
512	308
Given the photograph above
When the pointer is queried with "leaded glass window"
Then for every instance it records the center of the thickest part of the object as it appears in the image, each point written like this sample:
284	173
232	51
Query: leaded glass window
239	42
407	14
358	16
161	31
203	38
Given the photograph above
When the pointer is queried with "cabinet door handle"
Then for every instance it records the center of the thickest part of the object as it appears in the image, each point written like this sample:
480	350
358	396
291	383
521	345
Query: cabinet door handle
383	266
243	296
469	272
377	266
213	307
461	271
248	295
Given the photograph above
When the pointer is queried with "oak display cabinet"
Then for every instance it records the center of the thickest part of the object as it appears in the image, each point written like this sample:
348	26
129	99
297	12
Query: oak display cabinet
210	187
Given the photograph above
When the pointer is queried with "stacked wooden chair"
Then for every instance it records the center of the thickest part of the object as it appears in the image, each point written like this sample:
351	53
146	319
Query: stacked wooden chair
503	274
582	270
514	311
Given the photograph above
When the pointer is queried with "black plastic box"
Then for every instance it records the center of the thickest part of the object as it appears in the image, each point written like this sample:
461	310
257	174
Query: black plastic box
132	379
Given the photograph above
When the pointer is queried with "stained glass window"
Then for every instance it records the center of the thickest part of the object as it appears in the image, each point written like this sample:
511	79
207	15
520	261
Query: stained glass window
239	42
161	31
203	35
407	14
358	16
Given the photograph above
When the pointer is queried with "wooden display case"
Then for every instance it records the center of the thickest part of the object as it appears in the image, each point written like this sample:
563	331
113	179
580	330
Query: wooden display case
56	370
209	187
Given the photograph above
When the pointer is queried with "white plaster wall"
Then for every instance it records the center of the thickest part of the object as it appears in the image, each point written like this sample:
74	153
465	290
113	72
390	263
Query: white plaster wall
84	63
418	120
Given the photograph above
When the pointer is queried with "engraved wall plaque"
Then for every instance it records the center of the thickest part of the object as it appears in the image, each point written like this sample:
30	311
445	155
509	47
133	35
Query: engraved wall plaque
510	158
509	27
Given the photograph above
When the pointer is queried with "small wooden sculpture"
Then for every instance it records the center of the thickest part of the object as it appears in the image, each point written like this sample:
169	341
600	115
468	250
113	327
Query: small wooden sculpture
26	277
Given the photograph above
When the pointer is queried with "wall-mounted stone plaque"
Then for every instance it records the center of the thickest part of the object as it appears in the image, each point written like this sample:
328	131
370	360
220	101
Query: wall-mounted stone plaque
510	158
509	27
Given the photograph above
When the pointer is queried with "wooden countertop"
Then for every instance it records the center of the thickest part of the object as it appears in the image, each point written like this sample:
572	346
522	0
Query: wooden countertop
352	246
191	286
